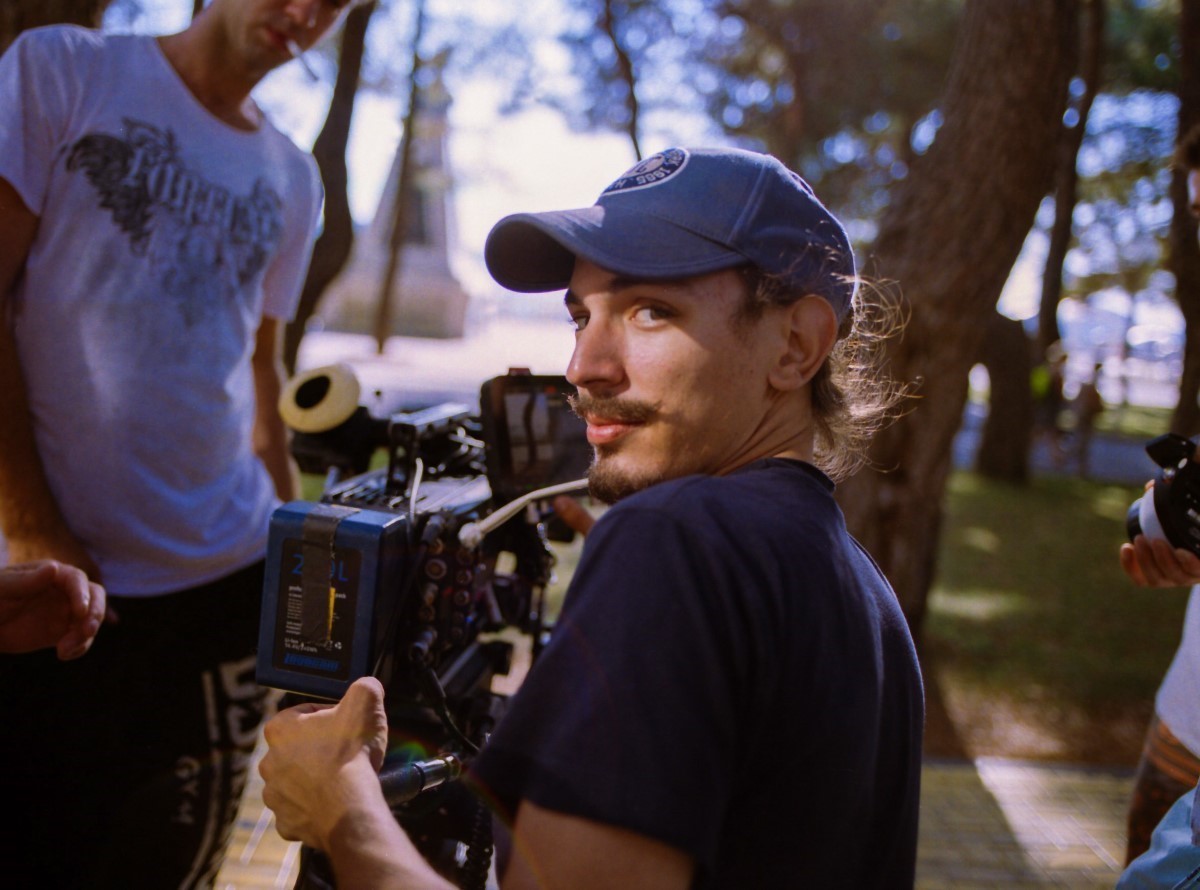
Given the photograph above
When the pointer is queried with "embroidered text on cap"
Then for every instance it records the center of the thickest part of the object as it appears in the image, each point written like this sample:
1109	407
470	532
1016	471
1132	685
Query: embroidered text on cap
654	170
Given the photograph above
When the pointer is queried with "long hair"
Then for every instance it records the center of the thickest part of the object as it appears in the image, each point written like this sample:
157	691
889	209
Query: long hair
853	396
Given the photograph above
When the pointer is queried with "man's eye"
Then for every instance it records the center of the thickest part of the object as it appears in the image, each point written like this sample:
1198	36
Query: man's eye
646	314
578	322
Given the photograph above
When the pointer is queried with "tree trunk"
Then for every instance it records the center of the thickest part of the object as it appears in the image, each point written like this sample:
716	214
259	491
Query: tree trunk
1185	255
950	238
337	237
1004	443
21	15
1066	180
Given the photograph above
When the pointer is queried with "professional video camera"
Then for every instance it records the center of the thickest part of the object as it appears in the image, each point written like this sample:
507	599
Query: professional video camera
408	572
1170	511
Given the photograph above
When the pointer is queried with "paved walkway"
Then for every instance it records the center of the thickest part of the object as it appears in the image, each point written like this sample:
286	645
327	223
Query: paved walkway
986	825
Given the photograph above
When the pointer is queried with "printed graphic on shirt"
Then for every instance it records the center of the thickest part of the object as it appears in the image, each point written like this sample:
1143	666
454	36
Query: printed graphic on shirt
202	242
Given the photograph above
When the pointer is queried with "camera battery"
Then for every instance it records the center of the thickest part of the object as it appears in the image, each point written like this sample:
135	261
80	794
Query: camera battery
332	580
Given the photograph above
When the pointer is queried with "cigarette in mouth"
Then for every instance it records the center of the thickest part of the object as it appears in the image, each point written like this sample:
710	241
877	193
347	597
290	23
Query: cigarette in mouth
295	50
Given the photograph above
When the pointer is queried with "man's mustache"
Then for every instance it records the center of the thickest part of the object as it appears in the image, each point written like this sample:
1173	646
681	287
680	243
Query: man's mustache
623	410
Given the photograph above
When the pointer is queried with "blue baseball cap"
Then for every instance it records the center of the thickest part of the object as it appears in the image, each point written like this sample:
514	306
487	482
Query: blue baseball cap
679	213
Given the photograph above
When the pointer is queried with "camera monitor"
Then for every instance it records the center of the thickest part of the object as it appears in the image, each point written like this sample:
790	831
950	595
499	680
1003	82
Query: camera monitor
538	440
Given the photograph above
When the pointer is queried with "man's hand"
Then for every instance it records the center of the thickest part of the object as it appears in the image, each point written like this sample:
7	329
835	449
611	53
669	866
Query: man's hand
48	604
320	757
62	546
321	773
1157	564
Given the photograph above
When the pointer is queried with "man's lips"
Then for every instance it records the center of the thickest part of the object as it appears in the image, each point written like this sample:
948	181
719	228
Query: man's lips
603	431
279	39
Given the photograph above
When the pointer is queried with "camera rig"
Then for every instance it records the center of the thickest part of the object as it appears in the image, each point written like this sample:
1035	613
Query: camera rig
418	572
1171	510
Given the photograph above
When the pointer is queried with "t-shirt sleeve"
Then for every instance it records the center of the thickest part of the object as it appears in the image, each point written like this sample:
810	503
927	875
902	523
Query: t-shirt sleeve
36	100
285	275
631	715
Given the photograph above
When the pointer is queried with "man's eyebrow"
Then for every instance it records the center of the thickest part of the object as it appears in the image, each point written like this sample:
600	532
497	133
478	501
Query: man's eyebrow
625	282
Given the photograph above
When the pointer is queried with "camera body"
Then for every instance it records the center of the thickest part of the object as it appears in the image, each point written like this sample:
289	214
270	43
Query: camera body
413	572
1170	511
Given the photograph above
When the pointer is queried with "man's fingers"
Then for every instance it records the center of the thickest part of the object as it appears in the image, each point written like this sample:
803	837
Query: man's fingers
29	577
574	514
363	703
1130	565
1157	564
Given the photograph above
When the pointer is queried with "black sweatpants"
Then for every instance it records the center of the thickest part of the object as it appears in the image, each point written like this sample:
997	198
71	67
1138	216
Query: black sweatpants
125	768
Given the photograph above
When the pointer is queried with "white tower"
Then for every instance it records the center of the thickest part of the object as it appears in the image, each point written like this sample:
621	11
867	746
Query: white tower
427	300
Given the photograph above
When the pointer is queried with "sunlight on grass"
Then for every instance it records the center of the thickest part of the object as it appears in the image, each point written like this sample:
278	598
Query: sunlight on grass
1029	595
981	539
975	606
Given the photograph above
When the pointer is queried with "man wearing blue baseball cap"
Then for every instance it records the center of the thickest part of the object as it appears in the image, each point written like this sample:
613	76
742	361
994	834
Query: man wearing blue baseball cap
731	697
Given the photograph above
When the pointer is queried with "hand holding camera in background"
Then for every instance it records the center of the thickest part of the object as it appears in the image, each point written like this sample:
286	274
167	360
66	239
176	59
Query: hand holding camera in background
1164	523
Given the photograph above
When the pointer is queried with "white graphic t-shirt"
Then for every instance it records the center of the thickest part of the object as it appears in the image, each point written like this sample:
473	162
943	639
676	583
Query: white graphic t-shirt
165	236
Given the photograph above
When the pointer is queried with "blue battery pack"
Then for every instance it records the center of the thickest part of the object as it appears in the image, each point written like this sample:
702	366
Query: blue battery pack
333	577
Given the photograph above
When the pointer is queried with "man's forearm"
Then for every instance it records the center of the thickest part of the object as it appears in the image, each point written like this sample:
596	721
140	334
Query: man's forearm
271	437
30	519
370	851
29	513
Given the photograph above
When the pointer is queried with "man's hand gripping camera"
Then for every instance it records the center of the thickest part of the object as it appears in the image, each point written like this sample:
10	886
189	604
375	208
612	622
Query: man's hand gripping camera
409	572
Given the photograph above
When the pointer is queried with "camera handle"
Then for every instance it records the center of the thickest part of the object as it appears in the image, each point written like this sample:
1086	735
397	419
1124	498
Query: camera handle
404	781
472	533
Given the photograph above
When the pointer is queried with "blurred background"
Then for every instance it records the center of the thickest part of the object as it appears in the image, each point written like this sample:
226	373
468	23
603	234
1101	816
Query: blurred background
1004	169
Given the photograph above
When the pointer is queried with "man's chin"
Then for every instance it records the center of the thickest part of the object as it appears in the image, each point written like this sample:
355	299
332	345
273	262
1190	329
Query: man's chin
609	482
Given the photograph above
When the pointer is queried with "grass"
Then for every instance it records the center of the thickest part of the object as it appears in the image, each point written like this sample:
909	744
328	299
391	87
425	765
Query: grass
1135	421
1032	618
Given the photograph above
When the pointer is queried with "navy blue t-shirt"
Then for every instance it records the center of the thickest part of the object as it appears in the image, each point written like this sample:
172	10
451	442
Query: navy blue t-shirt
732	675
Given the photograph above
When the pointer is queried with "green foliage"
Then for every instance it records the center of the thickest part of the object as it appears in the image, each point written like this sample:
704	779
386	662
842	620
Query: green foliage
1142	47
1031	603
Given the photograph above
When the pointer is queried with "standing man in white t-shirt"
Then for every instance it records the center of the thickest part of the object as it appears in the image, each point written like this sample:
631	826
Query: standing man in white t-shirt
1170	762
154	233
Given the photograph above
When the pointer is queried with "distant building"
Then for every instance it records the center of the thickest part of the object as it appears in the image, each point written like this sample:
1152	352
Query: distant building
427	300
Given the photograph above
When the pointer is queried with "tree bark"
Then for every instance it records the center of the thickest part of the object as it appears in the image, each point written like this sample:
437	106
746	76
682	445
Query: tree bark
949	239
21	15
1185	254
1066	180
1004	442
337	237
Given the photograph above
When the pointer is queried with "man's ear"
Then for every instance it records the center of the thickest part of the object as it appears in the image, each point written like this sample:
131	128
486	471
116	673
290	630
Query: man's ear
810	326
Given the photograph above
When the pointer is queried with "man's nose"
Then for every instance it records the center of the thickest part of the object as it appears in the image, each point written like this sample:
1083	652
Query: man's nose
597	362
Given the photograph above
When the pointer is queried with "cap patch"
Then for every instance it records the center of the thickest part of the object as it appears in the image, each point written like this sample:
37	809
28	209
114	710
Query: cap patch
654	170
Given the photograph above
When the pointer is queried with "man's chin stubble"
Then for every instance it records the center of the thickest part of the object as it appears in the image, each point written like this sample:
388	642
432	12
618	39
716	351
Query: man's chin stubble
609	484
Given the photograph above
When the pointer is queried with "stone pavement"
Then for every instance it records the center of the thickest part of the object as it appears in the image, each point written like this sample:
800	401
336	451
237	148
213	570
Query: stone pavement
990	824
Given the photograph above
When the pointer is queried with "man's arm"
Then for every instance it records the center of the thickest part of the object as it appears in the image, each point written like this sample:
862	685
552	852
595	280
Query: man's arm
321	779
555	851
30	519
271	437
